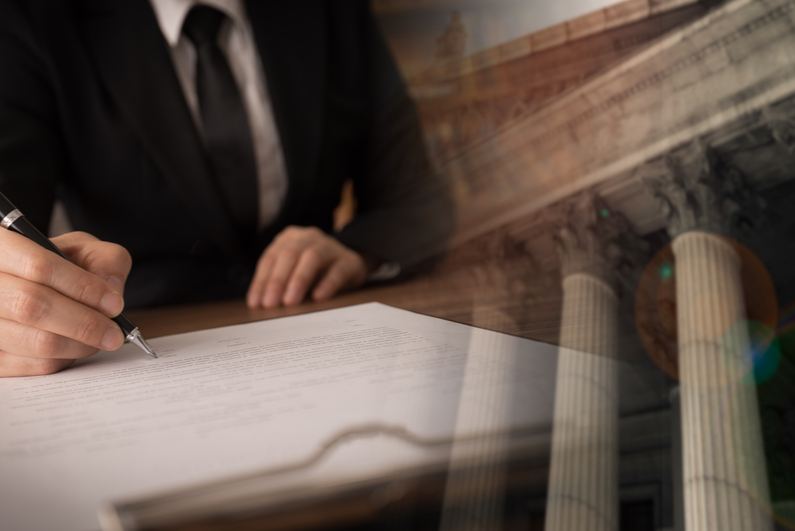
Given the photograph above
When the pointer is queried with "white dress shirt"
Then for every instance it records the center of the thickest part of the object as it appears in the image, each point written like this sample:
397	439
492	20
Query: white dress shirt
236	40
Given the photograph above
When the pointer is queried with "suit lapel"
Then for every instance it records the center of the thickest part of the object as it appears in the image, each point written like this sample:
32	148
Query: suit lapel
132	58
295	71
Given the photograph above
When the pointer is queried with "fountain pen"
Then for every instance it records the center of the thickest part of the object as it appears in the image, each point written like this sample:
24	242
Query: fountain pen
13	219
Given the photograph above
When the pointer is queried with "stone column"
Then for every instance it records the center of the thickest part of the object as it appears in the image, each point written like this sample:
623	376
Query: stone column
475	485
724	475
583	476
676	459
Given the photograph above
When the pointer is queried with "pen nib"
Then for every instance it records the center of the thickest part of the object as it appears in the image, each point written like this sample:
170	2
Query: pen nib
149	348
136	339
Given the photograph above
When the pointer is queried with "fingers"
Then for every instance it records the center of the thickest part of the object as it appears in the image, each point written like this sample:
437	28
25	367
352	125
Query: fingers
53	311
298	259
11	365
340	275
255	298
283	284
23	259
21	341
44	312
106	260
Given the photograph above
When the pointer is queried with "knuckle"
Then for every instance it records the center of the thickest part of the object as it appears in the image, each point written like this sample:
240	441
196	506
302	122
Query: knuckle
266	260
48	344
88	331
29	306
350	256
37	267
288	232
277	248
312	255
314	234
276	281
302	278
120	255
300	234
334	277
98	255
290	254
43	367
86	291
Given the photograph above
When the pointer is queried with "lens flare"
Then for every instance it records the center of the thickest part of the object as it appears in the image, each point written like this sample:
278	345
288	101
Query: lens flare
656	317
760	355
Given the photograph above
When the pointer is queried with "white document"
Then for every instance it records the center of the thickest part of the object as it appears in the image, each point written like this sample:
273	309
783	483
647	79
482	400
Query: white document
228	401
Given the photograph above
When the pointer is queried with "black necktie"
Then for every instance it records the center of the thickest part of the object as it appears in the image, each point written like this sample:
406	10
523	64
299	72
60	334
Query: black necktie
226	130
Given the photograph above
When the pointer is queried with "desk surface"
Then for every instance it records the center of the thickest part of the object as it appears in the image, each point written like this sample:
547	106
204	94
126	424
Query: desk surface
456	297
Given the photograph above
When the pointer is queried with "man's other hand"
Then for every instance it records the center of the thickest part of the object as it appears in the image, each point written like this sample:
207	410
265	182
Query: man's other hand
300	259
53	311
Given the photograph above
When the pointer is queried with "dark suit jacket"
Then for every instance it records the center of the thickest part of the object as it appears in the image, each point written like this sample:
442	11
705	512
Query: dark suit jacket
91	112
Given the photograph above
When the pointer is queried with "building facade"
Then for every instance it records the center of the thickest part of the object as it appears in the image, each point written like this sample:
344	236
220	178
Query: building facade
636	165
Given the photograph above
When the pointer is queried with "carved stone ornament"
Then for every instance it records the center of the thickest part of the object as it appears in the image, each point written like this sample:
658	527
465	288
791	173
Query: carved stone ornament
591	238
697	191
782	127
453	41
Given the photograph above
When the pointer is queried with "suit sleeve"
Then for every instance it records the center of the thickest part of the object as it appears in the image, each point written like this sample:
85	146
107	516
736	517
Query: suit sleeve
405	211
31	151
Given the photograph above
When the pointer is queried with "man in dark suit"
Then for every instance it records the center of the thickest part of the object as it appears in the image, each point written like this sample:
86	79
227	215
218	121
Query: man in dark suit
95	112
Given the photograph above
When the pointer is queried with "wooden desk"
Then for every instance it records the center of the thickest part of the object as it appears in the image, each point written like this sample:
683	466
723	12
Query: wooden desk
457	296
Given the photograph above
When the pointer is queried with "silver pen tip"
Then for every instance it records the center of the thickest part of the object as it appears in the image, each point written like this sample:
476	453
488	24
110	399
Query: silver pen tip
149	348
137	339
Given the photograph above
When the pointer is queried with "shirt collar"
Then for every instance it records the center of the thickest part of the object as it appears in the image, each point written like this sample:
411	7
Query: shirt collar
171	14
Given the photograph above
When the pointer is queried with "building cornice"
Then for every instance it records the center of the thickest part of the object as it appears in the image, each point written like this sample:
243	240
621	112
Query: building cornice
600	21
722	68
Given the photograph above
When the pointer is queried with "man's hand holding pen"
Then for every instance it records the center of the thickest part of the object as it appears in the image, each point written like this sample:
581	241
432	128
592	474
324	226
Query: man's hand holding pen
53	311
61	299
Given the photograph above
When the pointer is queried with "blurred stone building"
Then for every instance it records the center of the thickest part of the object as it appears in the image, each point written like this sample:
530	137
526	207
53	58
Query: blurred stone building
632	170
